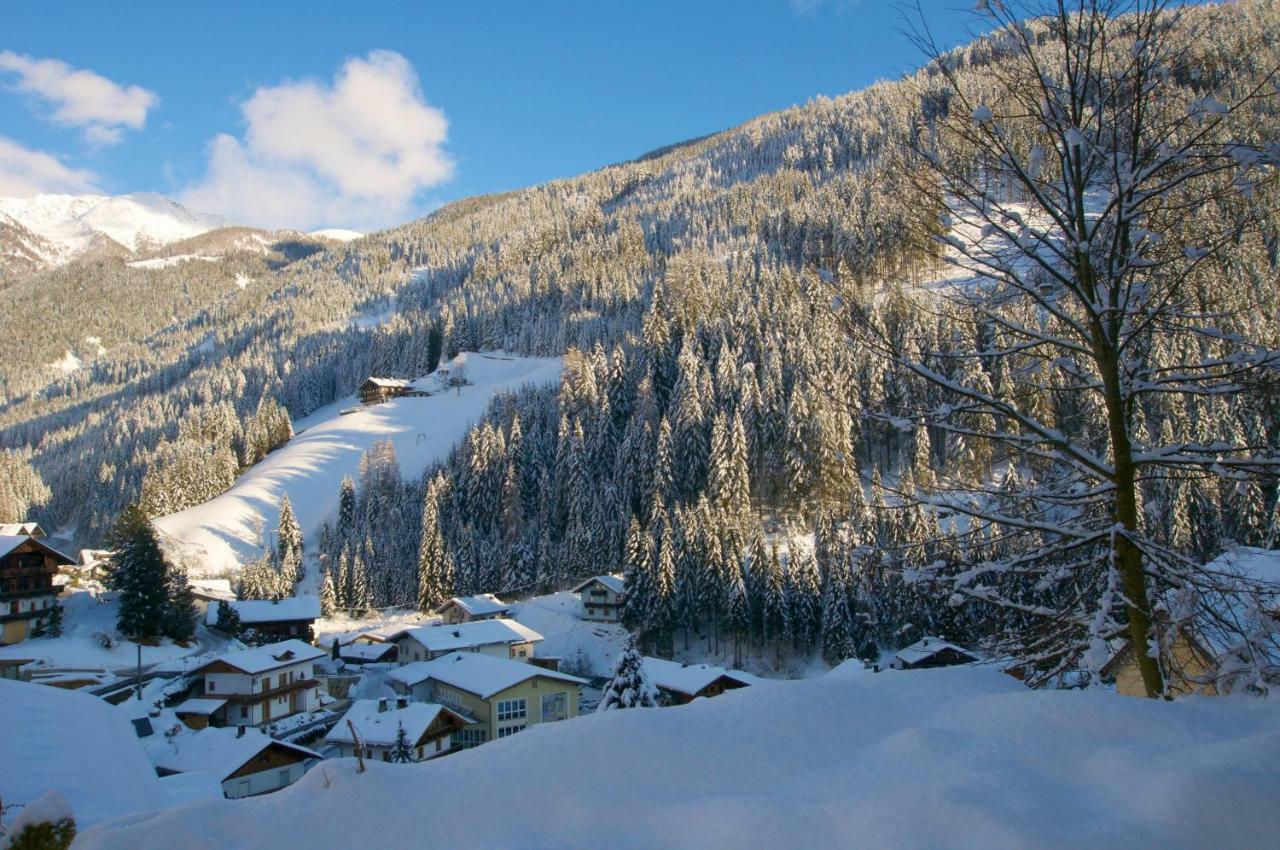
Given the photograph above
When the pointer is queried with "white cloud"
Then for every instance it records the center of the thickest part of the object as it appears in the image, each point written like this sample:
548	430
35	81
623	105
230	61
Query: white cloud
81	98
25	172
356	153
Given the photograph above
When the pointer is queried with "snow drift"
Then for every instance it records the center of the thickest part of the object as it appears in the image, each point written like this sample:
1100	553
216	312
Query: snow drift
958	757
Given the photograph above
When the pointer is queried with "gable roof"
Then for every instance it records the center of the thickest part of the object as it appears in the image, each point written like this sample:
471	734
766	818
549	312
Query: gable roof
482	675
9	542
927	647
269	610
359	650
478	606
379	728
479	633
612	581
219	751
213	589
261	659
688	679
27	529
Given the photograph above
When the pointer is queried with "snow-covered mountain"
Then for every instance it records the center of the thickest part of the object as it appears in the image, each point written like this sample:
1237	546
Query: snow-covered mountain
68	226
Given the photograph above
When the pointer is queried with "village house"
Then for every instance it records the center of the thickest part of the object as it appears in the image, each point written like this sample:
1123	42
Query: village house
21	529
931	652
499	638
245	762
253	687
367	652
602	598
11	668
278	619
429	729
27	590
468	609
1189	668
503	697
678	683
208	592
377	390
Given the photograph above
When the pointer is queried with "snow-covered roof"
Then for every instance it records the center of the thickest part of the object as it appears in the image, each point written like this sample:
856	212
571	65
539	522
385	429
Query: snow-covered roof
26	529
77	744
192	786
220	752
9	542
611	581
379	729
390	383
364	651
687	678
270	610
212	588
199	705
927	647
482	675
260	659
478	606
479	633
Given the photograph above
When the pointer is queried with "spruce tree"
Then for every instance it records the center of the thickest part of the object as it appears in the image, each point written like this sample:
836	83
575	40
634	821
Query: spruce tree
628	687
180	616
289	545
402	750
228	619
139	574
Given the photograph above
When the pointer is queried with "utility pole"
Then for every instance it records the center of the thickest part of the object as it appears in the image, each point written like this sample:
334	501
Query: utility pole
139	688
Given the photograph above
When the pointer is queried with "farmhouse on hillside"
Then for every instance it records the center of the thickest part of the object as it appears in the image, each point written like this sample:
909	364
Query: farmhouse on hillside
244	761
468	609
27	591
428	727
679	683
931	652
602	598
377	390
499	638
253	687
502	696
279	619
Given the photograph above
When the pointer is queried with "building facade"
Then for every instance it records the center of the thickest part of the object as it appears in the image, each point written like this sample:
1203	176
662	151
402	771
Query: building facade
602	598
262	685
27	591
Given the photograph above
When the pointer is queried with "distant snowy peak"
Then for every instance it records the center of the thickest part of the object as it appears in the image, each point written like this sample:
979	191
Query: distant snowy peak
71	225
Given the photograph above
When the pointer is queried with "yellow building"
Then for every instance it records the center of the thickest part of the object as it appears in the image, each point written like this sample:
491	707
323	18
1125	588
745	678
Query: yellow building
1188	668
501	696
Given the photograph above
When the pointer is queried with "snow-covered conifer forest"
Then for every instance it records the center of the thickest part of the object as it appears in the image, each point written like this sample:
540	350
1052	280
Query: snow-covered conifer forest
986	351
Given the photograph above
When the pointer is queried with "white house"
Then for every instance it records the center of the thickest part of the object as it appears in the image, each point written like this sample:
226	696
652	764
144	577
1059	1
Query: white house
602	598
263	684
499	638
244	761
428	728
468	609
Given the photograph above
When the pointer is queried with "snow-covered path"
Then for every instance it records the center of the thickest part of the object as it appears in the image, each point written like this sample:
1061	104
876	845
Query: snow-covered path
230	529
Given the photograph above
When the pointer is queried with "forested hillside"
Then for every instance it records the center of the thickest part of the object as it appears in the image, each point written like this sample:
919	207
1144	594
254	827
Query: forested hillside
717	406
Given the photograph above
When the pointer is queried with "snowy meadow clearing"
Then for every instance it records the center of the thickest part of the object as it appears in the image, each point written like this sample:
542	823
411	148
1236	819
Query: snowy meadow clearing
958	757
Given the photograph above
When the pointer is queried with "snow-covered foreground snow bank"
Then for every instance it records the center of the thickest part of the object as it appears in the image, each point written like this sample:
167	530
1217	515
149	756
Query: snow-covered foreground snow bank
923	759
230	529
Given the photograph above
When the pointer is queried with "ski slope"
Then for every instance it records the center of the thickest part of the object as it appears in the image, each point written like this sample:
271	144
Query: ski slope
225	532
959	757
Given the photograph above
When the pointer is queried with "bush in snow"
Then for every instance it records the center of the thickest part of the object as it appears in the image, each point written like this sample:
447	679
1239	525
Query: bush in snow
45	823
629	688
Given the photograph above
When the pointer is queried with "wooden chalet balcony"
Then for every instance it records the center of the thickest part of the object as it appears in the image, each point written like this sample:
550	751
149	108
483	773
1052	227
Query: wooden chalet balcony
258	696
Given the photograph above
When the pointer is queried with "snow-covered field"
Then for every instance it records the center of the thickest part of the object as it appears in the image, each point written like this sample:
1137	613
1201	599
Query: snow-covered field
957	758
584	648
85	616
226	531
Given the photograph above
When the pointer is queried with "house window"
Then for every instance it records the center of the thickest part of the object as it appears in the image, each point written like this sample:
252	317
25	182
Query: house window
511	709
508	731
555	707
244	711
284	778
467	738
212	685
420	752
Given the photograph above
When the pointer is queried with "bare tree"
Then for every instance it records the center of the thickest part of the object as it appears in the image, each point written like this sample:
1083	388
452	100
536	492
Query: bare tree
1092	187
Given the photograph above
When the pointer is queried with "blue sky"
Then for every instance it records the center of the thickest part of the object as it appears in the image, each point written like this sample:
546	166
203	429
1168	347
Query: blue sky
317	114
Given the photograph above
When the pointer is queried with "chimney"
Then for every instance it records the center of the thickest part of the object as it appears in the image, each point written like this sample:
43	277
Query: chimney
382	704
402	701
239	731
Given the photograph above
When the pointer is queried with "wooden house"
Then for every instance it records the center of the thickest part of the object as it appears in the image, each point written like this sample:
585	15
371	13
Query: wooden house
429	729
678	683
931	652
468	609
253	687
27	591
376	390
503	697
602	598
245	762
279	619
21	529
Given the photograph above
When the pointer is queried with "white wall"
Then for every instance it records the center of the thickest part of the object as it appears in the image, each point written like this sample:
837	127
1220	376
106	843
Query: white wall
263	781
